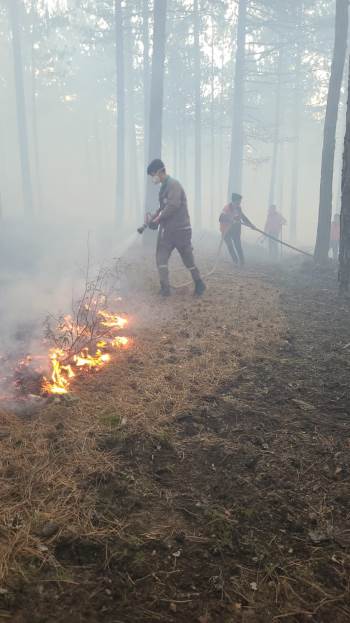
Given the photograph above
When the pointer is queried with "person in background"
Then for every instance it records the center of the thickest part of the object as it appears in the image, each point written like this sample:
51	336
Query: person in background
273	227
335	236
174	224
231	219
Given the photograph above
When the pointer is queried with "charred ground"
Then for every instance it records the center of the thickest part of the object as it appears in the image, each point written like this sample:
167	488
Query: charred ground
204	477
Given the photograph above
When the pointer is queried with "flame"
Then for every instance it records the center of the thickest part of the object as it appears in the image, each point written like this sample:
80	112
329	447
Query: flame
85	359
120	341
60	376
112	321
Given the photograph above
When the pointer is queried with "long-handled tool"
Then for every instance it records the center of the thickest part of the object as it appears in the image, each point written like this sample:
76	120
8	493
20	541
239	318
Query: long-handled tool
285	244
260	231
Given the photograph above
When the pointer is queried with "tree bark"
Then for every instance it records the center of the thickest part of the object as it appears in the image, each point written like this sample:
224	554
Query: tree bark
221	191
156	94
198	120
146	76
183	132
212	130
98	149
344	251
131	144
175	147
296	131
276	130
21	108
327	167
35	112
237	136
281	176
120	100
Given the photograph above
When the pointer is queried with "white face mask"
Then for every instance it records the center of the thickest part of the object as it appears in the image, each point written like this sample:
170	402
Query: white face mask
155	179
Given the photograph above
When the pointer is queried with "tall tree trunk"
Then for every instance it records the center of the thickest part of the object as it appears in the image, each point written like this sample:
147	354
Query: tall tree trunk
296	153
198	120
281	175
344	252
341	130
181	149
134	165
327	167
120	99
296	130
276	129
212	130
175	146
221	132
133	181
34	110
98	149
146	76
21	108
90	167
156	94
237	136
183	170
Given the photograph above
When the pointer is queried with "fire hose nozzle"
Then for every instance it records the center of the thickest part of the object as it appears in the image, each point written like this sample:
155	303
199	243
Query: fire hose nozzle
142	229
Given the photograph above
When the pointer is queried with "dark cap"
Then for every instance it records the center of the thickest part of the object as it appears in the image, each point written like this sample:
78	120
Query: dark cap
236	197
154	166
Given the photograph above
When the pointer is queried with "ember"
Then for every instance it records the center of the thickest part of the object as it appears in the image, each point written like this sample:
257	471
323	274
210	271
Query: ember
120	341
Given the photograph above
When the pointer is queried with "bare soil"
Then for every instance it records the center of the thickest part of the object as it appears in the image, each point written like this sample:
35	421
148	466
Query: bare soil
203	477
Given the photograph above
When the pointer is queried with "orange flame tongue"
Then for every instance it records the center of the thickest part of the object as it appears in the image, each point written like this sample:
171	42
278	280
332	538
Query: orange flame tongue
85	359
112	321
60	376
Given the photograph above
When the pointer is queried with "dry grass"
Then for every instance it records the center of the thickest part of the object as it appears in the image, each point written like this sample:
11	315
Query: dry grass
182	349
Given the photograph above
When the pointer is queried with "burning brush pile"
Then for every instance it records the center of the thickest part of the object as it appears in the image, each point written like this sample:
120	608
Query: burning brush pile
100	339
75	344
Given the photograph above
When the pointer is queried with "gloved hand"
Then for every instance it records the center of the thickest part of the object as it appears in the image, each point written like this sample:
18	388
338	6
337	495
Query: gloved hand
152	225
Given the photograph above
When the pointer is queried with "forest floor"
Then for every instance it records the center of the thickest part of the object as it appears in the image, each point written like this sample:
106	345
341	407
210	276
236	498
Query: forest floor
203	477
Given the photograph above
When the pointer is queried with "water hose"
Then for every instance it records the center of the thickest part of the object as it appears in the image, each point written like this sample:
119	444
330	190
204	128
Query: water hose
260	231
188	283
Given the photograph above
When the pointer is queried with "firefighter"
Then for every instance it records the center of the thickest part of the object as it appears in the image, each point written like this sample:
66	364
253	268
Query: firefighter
273	227
174	224
231	219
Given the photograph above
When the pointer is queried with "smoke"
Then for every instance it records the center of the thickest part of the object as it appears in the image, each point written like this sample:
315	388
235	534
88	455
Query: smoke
43	271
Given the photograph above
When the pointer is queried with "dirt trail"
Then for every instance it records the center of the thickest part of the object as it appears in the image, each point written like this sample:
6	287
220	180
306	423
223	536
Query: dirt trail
206	481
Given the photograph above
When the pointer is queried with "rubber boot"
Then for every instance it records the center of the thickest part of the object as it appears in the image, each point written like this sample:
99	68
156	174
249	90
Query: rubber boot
199	287
164	290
